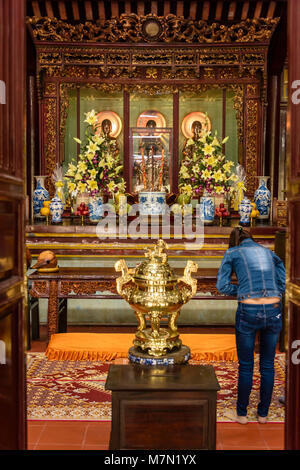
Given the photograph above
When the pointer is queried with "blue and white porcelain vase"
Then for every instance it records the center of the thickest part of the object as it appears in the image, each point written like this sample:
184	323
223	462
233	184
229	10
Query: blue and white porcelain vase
95	208
56	209
245	209
152	203
39	196
262	198
207	209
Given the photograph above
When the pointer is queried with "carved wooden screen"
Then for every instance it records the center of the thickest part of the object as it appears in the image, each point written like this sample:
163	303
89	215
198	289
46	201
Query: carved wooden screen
181	56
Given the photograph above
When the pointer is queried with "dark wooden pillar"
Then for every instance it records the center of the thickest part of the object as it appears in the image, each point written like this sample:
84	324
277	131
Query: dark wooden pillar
292	425
12	242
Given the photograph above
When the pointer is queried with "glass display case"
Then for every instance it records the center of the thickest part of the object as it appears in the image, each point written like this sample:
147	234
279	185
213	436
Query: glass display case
151	159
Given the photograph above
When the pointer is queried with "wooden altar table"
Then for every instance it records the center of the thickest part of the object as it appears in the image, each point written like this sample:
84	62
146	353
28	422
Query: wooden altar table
97	283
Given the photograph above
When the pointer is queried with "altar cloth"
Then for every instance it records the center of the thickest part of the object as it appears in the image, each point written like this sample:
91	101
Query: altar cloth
111	346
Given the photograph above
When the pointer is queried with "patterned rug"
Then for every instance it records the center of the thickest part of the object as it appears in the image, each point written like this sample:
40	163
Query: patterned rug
74	390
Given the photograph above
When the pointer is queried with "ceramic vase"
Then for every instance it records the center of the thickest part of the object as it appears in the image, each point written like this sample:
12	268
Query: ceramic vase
56	209
207	209
245	209
152	203
262	198
40	195
95	205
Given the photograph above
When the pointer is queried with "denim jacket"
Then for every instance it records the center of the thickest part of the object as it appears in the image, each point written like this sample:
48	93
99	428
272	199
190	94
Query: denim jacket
259	272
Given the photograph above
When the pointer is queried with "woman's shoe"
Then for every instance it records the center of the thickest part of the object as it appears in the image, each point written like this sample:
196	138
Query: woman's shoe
262	419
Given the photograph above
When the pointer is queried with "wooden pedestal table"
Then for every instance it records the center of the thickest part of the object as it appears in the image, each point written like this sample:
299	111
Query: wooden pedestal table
96	283
163	407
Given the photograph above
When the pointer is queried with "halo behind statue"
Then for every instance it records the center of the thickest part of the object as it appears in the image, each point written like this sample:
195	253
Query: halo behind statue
187	122
151	115
116	123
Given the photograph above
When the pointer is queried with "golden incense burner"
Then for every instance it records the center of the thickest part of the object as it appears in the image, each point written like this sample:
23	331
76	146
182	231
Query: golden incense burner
154	292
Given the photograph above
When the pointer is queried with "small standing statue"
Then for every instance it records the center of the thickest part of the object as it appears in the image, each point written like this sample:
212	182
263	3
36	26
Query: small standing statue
190	144
152	168
112	144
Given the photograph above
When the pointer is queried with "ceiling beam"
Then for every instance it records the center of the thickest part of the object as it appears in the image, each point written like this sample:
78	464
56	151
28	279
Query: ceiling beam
62	11
140	8
127	7
75	10
180	8
231	11
219	9
271	10
245	10
49	9
115	8
193	9
205	10
101	11
258	9
88	10
167	8
154	7
36	8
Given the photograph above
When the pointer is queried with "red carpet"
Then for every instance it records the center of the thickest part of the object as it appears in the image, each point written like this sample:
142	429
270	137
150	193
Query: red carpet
74	390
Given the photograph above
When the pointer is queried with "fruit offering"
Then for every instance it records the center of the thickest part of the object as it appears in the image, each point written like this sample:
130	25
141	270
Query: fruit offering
82	209
221	211
255	212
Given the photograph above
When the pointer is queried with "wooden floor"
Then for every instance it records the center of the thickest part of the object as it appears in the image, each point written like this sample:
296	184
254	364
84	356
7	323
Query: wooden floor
63	435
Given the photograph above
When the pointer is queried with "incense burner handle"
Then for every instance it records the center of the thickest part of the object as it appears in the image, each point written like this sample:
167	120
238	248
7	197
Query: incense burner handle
191	267
125	278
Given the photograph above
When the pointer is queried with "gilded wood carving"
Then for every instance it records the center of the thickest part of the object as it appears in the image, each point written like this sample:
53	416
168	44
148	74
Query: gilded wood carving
168	29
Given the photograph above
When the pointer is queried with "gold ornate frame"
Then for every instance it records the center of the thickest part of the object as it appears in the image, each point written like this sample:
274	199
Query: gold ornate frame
183	65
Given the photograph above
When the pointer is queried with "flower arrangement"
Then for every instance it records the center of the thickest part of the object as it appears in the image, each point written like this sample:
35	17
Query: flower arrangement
205	168
98	169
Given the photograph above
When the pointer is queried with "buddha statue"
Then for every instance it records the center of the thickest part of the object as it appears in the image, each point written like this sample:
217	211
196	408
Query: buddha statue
106	127
189	147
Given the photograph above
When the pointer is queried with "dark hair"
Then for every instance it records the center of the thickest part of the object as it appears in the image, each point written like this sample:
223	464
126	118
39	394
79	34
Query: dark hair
237	235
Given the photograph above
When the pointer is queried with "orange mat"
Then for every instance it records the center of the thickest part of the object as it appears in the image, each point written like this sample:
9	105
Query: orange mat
107	347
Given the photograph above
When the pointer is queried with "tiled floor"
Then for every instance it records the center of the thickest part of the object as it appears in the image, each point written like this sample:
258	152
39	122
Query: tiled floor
64	435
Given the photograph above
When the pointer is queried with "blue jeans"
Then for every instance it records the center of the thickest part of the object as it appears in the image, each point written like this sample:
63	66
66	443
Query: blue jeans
249	320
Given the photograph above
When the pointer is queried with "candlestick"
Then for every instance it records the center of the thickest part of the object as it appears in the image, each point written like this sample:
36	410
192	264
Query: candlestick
144	168
161	168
